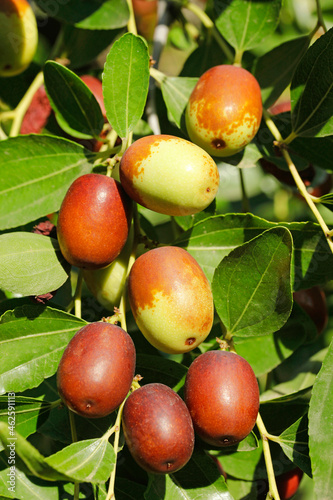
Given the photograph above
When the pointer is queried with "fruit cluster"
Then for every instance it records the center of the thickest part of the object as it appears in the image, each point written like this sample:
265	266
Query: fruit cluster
221	398
169	295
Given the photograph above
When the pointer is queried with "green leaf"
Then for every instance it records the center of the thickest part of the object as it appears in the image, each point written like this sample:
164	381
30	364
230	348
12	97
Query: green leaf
24	488
200	478
93	41
125	82
29	454
158	369
312	90
245	23
35	173
106	15
266	353
274	70
32	340
176	92
77	110
32	264
251	286
90	461
211	240
27	412
294	442
321	429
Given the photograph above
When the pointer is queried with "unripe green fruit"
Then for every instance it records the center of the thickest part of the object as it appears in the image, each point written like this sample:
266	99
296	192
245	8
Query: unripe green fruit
224	110
107	284
93	222
18	36
96	370
171	299
169	175
158	429
222	395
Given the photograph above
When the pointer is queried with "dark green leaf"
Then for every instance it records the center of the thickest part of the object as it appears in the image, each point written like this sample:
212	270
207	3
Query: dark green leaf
32	340
93	41
158	369
125	82
26	412
32	264
211	240
29	454
106	15
245	23
35	173
274	70
200	478
24	488
321	428
77	110
251	286
266	353
294	442
312	90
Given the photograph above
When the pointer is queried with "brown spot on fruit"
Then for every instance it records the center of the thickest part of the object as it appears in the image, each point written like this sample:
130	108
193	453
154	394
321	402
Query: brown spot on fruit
190	341
219	143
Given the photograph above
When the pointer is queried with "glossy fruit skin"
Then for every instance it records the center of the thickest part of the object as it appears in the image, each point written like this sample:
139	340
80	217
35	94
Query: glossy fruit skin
224	111
18	36
94	221
171	299
169	175
313	302
145	13
96	370
158	429
222	395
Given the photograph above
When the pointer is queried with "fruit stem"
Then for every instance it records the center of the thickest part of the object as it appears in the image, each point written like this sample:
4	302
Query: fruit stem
297	178
74	440
117	427
209	25
131	25
320	17
23	105
157	75
77	295
238	58
273	491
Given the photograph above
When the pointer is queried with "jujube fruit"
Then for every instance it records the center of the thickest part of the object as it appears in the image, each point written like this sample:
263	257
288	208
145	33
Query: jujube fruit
224	110
93	222
18	36
158	429
287	484
313	302
169	175
96	370
171	299
222	395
